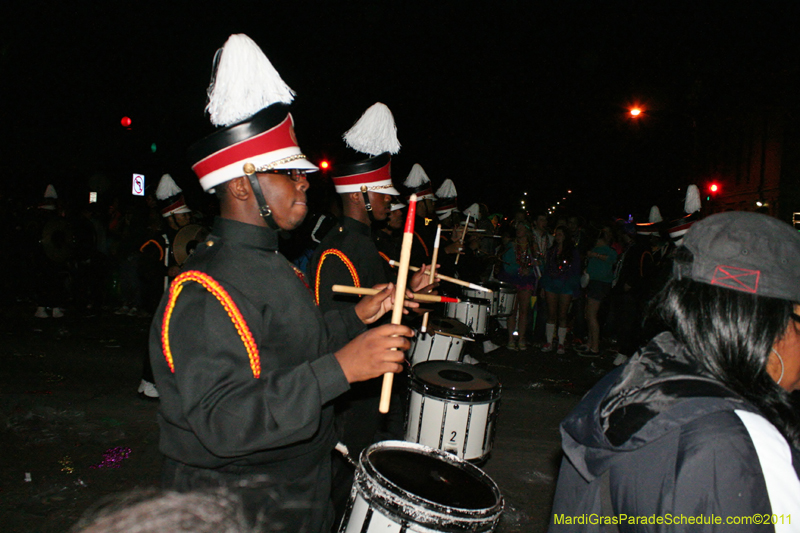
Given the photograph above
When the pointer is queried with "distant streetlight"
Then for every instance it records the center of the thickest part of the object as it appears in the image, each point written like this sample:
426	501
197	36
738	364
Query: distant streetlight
635	112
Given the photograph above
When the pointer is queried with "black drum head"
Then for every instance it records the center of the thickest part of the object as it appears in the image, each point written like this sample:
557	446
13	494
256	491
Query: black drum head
456	381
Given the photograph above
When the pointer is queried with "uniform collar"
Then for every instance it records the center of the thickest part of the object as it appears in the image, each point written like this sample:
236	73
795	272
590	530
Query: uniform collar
236	232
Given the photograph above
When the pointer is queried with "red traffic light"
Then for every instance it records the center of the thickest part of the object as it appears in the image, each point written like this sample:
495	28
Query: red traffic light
713	187
126	122
324	165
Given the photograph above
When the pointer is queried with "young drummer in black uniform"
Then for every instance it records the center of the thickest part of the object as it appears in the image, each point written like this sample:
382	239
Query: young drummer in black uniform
348	256
245	363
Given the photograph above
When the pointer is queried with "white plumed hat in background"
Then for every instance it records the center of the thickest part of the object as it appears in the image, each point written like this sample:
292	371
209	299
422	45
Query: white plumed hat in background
374	134
419	183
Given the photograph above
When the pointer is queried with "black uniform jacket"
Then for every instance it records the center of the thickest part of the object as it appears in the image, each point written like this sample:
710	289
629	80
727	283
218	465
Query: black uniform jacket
222	404
346	256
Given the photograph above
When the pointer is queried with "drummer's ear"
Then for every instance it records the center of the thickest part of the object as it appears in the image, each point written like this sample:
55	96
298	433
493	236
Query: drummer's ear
239	188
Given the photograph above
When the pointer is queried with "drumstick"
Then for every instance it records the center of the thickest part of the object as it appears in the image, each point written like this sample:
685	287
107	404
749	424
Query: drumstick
402	278
432	277
447	278
463	235
418	297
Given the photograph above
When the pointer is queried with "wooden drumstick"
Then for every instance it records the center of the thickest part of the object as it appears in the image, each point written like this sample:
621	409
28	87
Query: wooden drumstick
418	297
463	236
432	277
400	292
442	277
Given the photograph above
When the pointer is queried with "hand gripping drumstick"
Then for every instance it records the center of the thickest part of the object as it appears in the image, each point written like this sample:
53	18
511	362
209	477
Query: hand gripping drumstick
463	236
432	277
400	293
418	297
446	278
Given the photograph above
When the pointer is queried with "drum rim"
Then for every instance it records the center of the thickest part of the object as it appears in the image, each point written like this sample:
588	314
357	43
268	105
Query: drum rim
438	513
438	319
479	301
418	384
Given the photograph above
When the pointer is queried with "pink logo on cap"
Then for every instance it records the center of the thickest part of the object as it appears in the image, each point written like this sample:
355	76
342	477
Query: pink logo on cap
740	279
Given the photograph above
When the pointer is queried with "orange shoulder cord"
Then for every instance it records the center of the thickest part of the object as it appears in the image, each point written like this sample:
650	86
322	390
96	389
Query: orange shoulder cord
158	245
227	302
347	263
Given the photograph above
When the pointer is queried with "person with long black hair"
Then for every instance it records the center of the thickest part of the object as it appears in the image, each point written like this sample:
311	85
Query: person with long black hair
699	423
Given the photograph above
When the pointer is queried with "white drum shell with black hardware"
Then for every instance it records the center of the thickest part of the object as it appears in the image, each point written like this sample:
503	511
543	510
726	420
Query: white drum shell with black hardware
503	297
444	341
402	487
473	313
453	407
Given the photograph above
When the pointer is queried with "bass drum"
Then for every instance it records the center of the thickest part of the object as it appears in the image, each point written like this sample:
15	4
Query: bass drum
453	407
444	341
402	487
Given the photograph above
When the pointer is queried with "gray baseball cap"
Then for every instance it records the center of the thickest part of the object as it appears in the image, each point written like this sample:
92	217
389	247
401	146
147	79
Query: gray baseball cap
747	252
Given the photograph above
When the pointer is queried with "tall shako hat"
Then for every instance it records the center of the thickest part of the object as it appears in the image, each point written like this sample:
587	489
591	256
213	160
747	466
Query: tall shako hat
248	98
374	134
446	199
691	206
746	252
418	183
170	197
653	225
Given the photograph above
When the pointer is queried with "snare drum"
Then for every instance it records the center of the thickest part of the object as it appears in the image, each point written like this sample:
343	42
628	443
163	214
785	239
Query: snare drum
444	341
400	486
476	294
473	313
503	297
453	407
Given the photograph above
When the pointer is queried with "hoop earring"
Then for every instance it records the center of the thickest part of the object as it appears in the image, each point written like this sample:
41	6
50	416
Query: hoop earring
782	367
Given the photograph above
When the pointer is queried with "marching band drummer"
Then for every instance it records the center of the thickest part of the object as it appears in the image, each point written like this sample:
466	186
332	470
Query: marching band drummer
348	256
245	363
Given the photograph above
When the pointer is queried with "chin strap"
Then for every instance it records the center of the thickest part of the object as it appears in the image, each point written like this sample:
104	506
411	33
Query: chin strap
263	208
367	204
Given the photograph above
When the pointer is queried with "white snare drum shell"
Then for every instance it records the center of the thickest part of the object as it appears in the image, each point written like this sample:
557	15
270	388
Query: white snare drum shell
453	407
463	429
473	313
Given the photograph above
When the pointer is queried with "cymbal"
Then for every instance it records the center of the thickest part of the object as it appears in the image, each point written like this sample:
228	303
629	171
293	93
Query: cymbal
58	240
187	240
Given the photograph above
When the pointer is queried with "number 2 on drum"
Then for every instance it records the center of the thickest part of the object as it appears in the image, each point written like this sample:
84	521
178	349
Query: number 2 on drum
453	436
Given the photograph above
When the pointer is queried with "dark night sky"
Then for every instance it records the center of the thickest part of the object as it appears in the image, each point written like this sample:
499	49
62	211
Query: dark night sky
501	98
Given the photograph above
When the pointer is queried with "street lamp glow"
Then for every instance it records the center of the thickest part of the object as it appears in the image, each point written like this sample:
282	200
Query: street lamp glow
635	112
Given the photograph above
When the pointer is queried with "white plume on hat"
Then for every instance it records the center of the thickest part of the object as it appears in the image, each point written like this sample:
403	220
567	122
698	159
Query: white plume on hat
692	203
474	211
374	133
245	82
655	215
447	190
416	177
50	192
167	188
